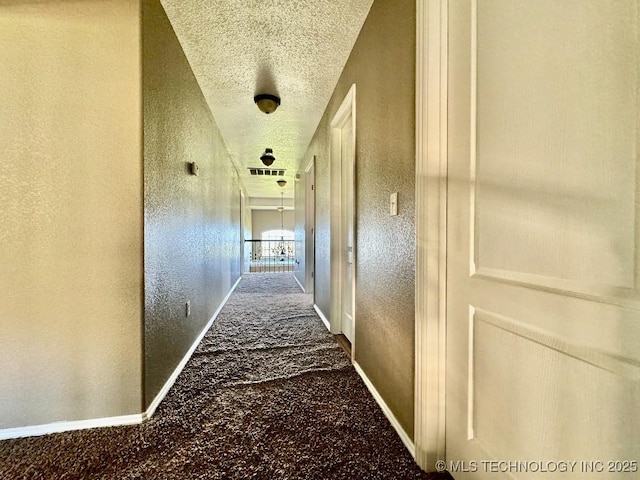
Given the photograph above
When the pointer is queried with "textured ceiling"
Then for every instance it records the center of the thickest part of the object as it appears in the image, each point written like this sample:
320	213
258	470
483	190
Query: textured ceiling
293	48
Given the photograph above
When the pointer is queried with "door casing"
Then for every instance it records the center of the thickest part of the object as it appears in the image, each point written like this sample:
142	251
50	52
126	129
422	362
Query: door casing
310	226
346	111
431	232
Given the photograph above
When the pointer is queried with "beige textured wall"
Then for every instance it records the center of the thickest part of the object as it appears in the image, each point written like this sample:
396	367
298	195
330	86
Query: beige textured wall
270	220
192	223
71	215
382	65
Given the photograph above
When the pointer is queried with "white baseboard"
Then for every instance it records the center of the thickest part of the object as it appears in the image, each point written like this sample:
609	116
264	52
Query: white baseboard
298	282
57	427
387	411
178	370
322	317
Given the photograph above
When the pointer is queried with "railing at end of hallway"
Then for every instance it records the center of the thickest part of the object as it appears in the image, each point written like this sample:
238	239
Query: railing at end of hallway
271	255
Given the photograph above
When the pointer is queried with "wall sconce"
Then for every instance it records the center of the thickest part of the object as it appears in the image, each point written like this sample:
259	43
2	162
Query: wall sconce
281	183
267	157
267	103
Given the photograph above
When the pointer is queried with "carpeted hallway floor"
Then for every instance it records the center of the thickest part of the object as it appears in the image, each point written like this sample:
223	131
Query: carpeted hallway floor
268	394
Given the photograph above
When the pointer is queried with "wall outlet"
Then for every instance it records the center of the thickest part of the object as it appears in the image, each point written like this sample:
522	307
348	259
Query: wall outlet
188	309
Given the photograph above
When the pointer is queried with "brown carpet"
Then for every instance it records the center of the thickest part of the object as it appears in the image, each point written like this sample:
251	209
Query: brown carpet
268	394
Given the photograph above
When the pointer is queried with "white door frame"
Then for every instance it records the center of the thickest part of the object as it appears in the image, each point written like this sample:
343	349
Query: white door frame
337	254
243	267
431	231
310	226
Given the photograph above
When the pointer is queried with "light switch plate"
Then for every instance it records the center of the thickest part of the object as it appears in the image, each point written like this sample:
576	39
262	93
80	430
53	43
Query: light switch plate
393	203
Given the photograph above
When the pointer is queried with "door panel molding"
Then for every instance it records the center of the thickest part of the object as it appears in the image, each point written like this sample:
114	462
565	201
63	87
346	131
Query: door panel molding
602	359
473	143
601	269
615	294
593	378
611	295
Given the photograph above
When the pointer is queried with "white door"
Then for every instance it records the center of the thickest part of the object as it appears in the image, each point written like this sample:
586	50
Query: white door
342	240
347	155
310	227
543	308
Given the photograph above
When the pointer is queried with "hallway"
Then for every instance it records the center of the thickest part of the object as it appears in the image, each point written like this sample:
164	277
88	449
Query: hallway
462	179
268	394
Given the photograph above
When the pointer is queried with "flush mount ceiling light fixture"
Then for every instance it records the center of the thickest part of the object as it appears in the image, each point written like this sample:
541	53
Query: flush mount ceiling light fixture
267	103
267	157
281	183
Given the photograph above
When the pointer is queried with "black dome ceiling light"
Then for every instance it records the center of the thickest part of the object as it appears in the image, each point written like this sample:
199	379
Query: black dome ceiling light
267	157
266	102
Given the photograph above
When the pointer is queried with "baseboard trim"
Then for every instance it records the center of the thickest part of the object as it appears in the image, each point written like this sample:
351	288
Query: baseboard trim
322	317
57	427
148	413
298	282
387	411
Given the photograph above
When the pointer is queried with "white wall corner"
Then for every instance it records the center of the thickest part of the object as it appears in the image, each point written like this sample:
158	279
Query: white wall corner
57	427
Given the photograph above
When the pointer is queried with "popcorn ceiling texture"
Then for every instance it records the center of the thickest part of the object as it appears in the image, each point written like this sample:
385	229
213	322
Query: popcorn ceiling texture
295	48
